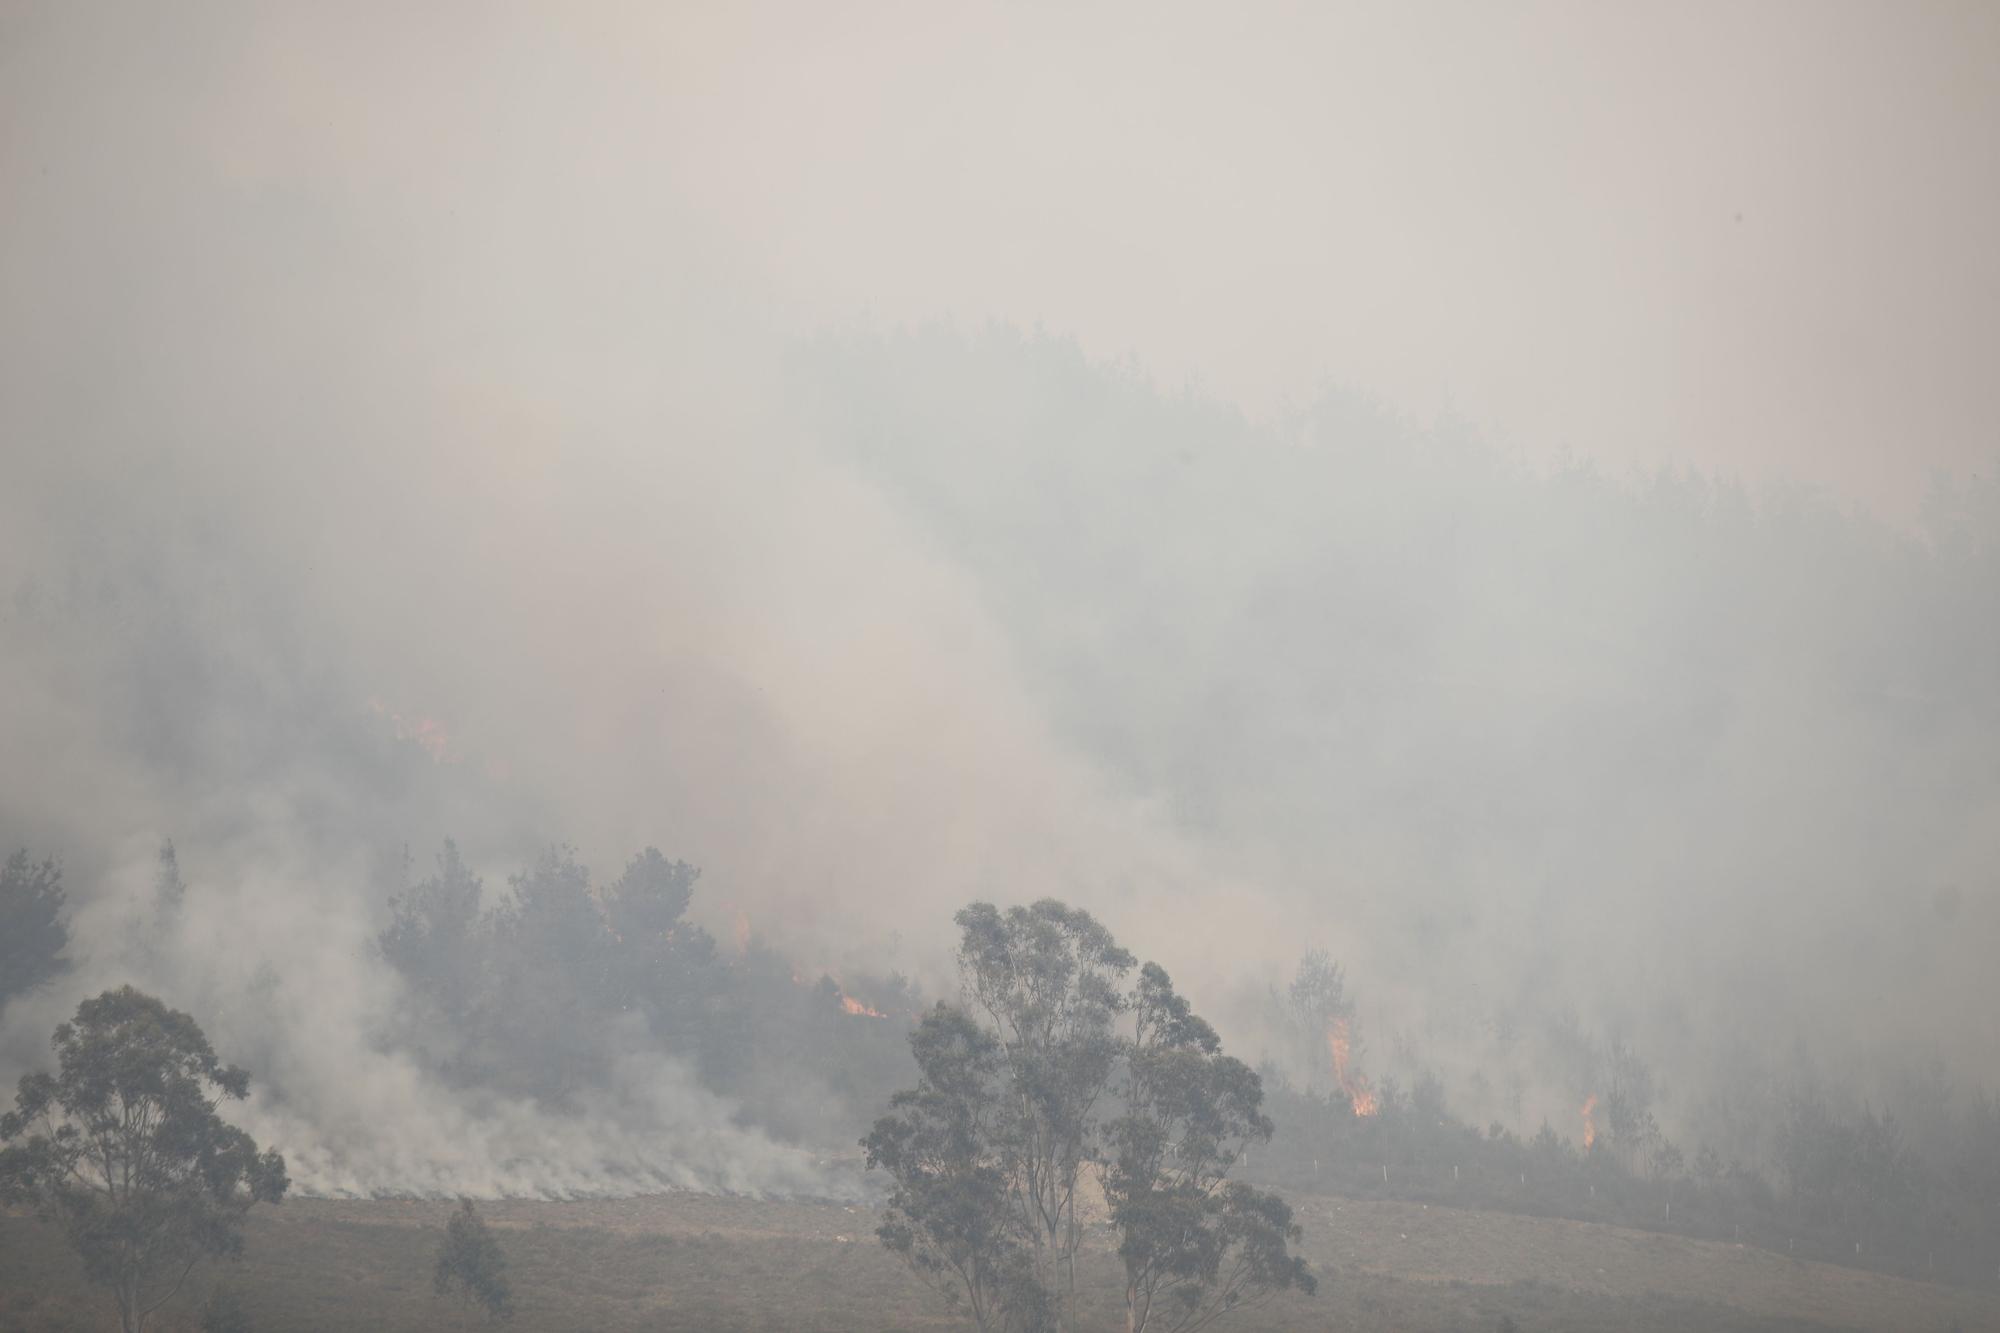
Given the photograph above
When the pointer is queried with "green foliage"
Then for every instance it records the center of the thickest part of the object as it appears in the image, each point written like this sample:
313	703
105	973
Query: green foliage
437	937
552	957
660	965
1307	1009
945	1145
542	992
1854	1177
518	995
1047	978
1195	1244
33	932
645	906
470	1260
988	1151
123	1149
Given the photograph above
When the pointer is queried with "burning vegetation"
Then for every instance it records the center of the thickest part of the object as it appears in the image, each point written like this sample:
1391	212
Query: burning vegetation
850	1005
1339	1043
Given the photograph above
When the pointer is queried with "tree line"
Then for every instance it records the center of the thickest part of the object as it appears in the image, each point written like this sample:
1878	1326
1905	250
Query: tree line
539	989
1066	1091
1841	1182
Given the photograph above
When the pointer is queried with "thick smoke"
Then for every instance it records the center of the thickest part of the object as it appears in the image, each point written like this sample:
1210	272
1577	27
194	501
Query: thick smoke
1549	759
421	460
834	735
754	663
281	589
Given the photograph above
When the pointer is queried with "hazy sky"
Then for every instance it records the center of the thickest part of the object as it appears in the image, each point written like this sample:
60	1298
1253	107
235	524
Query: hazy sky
1752	237
1755	237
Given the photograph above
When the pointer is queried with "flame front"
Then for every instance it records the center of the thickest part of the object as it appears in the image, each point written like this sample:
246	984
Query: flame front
1339	1044
1589	1125
850	1005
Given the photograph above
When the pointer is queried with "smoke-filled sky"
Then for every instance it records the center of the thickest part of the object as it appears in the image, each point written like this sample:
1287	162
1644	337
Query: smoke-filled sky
650	399
1752	237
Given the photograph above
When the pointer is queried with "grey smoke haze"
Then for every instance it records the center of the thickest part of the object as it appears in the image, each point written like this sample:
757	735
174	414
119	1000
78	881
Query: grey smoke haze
364	368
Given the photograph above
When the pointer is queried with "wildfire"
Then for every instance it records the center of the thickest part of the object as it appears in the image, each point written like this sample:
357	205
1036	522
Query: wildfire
1339	1044
742	933
1589	1125
850	1005
427	733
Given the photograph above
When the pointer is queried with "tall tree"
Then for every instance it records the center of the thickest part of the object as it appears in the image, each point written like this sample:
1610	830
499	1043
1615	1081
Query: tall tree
169	889
33	931
1310	1008
1195	1244
123	1149
660	960
944	1143
554	958
1009	1119
1048	978
471	1260
438	939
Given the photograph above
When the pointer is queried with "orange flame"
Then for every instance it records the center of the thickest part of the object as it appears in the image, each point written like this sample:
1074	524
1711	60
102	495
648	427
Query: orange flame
1354	1085
427	733
742	933
1589	1125
850	1005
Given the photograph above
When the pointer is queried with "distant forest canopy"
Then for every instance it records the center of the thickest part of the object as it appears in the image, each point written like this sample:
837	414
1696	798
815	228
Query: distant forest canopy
1554	765
1709	769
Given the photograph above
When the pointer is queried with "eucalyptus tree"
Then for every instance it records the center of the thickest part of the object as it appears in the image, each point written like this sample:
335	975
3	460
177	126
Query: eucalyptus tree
1195	1244
946	1144
1047	978
124	1150
1029	1093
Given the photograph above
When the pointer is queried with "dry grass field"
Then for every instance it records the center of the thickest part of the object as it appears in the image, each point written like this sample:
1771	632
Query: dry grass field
700	1262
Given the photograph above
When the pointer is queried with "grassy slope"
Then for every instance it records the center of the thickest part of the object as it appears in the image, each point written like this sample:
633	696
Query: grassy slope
697	1262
